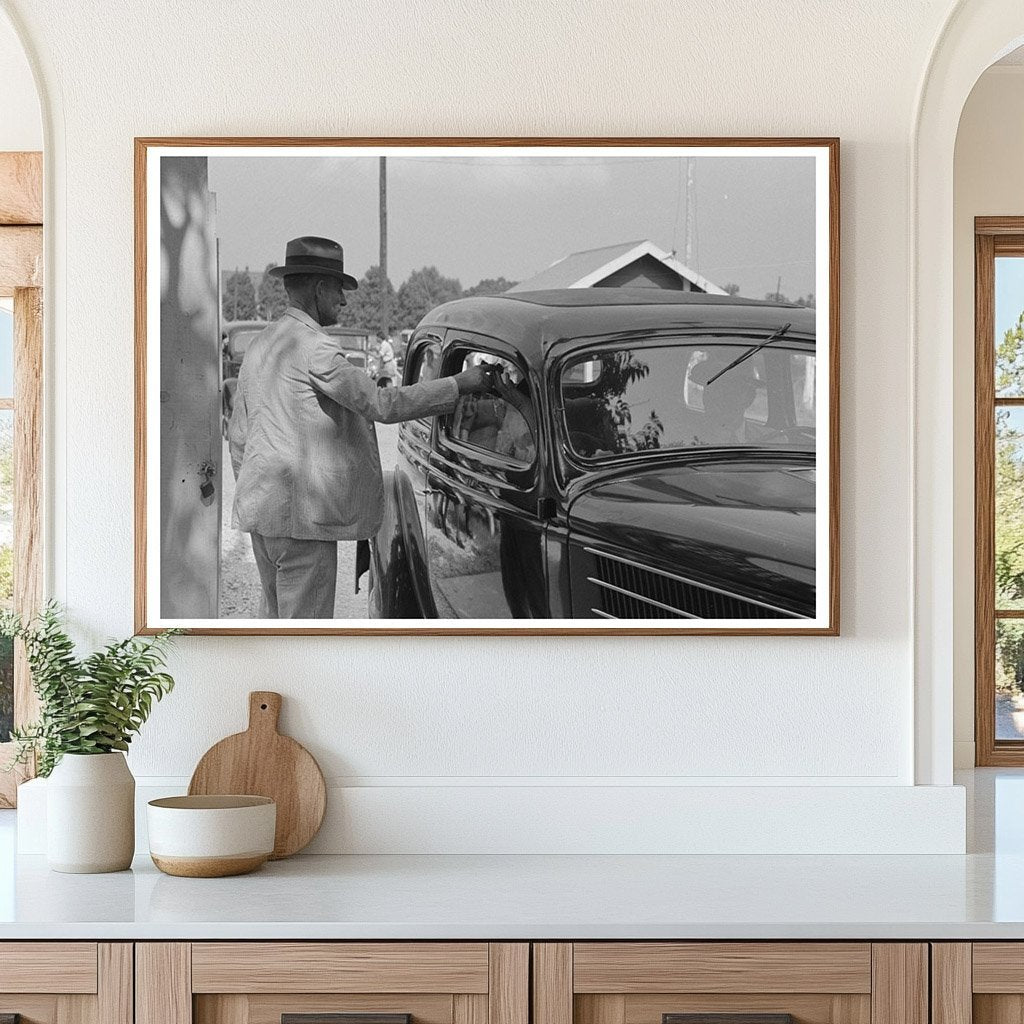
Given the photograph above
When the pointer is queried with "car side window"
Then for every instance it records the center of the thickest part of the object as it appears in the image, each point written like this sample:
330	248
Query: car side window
503	423
428	362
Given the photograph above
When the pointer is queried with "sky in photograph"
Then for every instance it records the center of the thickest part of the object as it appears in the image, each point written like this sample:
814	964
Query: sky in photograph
1009	293
507	216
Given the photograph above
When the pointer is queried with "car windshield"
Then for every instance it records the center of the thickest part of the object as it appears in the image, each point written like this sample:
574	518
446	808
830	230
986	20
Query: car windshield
694	392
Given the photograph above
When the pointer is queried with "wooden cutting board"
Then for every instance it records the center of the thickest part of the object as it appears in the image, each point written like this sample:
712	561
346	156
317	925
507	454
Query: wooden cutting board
262	762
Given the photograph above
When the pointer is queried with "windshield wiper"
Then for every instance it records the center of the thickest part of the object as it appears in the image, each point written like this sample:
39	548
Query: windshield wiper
743	357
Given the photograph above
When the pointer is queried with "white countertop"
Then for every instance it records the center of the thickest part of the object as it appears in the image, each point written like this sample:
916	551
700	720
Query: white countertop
517	897
977	896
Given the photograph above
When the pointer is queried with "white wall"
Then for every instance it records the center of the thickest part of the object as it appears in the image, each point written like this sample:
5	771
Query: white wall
21	127
987	182
438	715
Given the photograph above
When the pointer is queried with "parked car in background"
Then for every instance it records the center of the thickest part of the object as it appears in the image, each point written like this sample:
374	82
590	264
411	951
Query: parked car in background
648	454
237	336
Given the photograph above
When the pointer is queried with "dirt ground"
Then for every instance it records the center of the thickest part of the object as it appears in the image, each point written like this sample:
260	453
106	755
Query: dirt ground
240	581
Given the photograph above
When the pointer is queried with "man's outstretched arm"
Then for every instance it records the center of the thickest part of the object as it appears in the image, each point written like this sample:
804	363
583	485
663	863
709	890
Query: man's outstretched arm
333	375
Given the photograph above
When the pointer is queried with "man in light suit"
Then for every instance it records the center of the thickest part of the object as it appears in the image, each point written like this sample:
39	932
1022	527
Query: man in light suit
302	440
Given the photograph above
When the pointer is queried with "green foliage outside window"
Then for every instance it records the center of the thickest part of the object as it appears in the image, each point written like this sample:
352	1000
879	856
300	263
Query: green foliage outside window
1009	509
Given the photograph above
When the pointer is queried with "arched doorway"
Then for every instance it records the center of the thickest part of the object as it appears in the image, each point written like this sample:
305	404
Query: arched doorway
976	34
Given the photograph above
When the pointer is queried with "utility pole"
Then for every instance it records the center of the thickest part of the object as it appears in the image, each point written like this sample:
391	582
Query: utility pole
691	215
385	324
778	289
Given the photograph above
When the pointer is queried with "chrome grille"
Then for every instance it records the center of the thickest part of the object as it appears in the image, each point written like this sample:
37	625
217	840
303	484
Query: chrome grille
629	590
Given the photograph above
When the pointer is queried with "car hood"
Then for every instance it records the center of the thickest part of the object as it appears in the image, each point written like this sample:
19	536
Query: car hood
744	526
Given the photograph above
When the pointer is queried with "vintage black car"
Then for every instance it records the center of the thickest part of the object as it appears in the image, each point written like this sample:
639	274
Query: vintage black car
647	455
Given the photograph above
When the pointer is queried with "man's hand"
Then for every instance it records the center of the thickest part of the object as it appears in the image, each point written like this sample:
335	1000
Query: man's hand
477	380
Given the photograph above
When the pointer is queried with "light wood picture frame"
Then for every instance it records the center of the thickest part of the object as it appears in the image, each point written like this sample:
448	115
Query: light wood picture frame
607	498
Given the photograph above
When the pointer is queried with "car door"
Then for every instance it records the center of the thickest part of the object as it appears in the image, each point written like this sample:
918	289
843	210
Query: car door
485	542
411	484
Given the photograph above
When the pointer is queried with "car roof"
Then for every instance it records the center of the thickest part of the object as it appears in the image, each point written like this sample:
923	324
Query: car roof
533	322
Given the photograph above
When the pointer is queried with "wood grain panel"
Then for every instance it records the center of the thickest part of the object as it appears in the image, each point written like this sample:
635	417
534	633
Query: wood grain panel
339	967
76	1009
267	1009
28	483
984	501
552	983
64	967
21	188
899	991
998	225
469	1009
163	983
28	488
805	1008
21	259
635	967
115	983
998	1009
33	1009
508	992
951	983
228	1009
593	1009
998	967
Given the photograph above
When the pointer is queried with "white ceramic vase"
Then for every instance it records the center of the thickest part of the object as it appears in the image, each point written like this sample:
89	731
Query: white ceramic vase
90	814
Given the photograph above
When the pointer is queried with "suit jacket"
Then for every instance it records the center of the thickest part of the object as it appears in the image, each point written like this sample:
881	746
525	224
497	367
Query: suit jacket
302	439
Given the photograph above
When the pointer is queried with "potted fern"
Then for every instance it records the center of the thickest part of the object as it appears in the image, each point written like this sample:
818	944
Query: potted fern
90	708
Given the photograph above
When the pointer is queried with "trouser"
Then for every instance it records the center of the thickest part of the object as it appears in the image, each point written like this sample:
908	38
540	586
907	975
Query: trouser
298	577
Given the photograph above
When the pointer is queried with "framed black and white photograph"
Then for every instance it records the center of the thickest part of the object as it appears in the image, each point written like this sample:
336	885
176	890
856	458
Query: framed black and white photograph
487	385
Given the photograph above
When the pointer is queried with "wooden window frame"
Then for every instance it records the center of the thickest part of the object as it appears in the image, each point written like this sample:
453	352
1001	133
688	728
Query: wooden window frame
21	278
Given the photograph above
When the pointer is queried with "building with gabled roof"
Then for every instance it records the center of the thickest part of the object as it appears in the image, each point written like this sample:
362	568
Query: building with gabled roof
640	264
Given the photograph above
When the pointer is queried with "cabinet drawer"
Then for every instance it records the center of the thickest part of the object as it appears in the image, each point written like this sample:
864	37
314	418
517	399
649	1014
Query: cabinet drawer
634	967
730	983
981	982
332	983
65	967
340	967
66	982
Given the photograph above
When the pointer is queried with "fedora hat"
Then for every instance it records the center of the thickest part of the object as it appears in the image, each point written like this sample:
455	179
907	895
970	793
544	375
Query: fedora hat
312	255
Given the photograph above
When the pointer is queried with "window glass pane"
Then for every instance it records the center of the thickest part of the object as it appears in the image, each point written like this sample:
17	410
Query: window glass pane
501	423
6	353
429	363
1009	679
1009	327
6	567
1009	524
623	401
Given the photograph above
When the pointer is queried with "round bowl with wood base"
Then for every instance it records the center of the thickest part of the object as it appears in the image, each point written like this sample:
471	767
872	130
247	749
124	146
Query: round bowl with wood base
211	836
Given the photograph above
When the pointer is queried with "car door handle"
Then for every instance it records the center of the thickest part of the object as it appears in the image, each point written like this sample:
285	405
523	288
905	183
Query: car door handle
429	490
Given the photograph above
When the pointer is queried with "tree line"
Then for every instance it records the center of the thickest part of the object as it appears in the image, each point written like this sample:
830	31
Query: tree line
244	299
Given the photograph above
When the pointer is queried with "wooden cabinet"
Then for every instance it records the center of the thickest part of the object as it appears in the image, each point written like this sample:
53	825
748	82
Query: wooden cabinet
978	983
512	983
264	982
751	982
66	982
